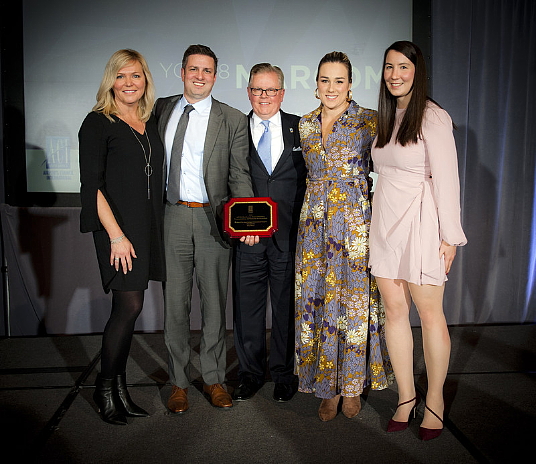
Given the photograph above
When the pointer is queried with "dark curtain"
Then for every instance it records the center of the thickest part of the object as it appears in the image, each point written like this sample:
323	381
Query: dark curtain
53	276
483	74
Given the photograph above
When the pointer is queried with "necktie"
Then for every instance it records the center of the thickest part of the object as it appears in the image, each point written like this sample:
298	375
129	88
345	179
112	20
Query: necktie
265	146
174	181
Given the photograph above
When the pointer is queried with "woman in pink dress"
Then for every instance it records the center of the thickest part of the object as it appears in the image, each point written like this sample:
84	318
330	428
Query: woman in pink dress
415	227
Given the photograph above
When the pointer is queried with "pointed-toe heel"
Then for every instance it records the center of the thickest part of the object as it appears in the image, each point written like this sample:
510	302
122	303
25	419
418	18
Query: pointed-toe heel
396	426
125	401
105	399
429	434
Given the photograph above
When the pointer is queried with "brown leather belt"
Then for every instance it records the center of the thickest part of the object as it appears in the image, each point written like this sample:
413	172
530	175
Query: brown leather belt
193	204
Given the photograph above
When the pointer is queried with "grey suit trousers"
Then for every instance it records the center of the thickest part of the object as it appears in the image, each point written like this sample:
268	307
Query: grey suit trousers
192	242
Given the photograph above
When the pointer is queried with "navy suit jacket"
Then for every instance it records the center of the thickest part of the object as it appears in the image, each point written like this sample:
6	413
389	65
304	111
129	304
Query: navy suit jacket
286	185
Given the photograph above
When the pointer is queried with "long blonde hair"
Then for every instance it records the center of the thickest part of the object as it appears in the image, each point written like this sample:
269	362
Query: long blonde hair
105	95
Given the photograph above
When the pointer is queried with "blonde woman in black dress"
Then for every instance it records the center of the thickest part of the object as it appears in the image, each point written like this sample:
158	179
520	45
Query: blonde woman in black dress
121	161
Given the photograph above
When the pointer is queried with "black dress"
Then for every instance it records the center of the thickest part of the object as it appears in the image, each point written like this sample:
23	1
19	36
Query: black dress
112	161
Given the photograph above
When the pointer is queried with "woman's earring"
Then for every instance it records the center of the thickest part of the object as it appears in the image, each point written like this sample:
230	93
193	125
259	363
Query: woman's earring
350	95
316	94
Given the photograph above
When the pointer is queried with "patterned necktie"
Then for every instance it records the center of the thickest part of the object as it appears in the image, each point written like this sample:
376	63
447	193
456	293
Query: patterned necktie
174	181
265	146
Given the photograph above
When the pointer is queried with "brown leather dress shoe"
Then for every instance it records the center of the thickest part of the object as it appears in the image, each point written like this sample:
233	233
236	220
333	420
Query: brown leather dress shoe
351	405
218	396
178	400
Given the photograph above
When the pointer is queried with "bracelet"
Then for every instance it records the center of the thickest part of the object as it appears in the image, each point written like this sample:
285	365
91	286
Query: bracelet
117	240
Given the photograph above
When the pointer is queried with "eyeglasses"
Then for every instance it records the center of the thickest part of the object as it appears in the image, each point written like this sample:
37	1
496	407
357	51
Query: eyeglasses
258	91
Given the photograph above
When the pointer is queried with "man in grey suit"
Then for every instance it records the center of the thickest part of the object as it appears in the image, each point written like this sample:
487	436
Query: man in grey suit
206	145
277	171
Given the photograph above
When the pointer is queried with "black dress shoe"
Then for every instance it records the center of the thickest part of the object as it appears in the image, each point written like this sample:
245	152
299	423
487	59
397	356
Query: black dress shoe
246	390
284	391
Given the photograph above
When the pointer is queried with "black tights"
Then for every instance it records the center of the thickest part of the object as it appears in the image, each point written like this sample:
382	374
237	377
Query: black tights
126	307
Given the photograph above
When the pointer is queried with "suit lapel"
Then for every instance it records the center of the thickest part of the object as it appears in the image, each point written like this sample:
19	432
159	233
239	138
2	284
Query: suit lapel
288	140
215	121
162	121
163	118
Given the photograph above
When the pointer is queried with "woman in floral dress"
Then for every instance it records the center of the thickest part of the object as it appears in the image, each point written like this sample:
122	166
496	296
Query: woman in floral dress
340	345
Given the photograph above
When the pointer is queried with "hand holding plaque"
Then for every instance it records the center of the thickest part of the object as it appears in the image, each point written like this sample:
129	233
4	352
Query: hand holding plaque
250	216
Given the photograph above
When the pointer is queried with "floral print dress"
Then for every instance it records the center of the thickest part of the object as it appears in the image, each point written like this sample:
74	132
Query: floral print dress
340	342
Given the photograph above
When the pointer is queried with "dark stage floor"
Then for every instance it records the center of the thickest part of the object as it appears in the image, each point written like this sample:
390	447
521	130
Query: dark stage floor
47	413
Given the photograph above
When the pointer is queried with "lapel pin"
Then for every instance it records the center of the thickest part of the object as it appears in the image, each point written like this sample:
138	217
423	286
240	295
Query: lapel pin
291	130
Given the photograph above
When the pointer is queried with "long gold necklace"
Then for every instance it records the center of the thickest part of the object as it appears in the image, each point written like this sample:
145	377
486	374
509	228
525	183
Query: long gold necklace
148	167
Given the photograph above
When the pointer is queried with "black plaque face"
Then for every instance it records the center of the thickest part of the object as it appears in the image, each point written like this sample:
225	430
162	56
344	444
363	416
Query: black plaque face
250	216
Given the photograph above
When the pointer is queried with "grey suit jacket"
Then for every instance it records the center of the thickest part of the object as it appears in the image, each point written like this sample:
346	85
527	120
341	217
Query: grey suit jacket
225	154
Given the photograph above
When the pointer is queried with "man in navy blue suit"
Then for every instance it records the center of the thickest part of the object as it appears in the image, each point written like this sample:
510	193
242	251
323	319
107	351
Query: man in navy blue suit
277	171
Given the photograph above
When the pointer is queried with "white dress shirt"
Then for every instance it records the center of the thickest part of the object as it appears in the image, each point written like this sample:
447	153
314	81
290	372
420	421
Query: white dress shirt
276	130
192	185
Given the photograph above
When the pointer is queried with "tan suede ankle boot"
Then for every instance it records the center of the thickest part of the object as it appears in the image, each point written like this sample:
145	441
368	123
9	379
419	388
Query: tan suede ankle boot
351	405
328	408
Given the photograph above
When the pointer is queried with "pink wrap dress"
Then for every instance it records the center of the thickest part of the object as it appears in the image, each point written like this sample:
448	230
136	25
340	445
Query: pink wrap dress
416	203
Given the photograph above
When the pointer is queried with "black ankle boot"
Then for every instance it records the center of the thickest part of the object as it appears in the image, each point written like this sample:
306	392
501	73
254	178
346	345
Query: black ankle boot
106	401
131	408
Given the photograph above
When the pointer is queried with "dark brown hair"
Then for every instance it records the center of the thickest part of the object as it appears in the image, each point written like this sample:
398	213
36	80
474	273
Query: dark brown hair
336	57
199	50
411	125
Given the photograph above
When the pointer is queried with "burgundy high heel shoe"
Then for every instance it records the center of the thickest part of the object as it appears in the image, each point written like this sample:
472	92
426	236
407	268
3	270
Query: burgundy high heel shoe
395	426
429	434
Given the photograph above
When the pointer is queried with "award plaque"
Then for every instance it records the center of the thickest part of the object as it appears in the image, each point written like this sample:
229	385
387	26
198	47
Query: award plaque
250	216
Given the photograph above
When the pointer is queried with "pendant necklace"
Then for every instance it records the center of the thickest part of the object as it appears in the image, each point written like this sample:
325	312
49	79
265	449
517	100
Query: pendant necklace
148	167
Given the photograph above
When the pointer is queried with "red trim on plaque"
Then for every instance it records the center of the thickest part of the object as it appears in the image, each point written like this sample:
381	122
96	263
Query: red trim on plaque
252	216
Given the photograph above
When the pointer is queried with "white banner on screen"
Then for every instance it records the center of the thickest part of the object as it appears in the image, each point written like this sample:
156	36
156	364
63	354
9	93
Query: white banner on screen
67	43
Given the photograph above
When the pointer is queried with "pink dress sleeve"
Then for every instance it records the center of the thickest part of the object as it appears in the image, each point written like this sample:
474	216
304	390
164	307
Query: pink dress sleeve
441	152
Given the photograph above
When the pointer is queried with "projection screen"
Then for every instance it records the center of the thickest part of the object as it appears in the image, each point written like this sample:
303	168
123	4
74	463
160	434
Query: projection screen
67	43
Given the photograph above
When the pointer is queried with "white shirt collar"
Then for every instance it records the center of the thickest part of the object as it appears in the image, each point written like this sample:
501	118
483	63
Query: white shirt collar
275	119
199	106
